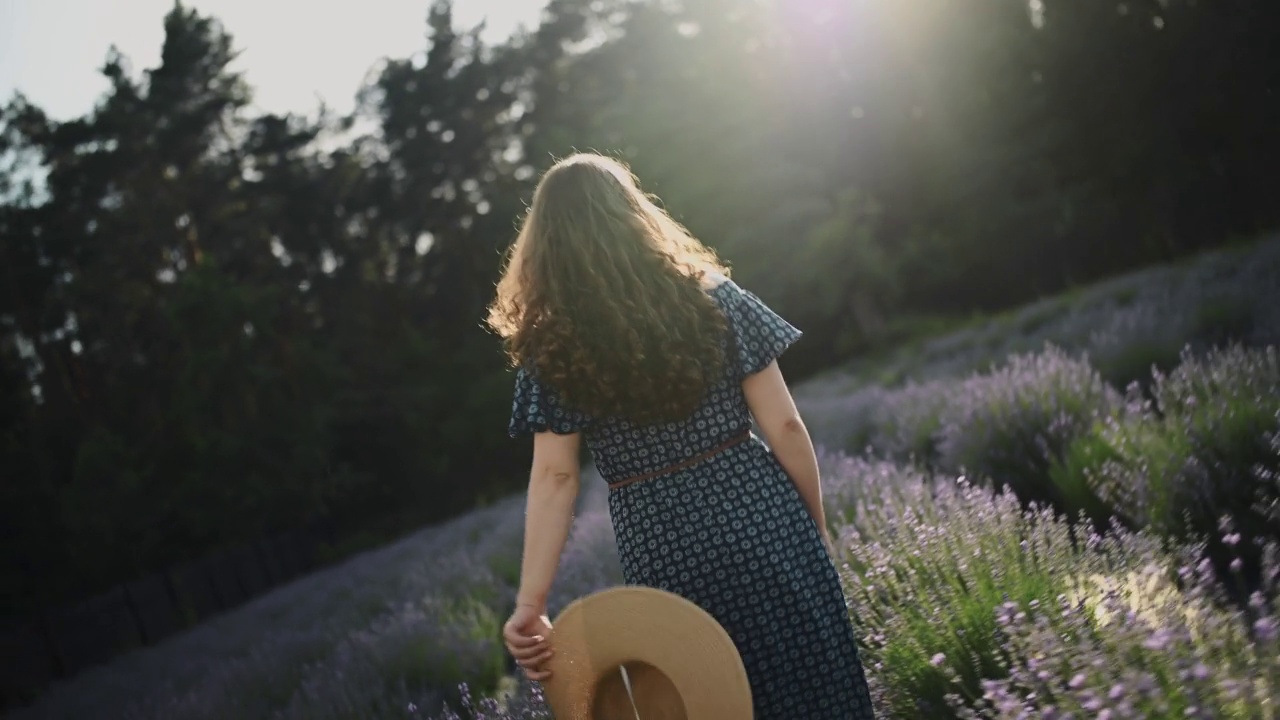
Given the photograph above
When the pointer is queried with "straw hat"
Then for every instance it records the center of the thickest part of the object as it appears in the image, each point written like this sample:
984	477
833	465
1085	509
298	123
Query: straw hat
680	663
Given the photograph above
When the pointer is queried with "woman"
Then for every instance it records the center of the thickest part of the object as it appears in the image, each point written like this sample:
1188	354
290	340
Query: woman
627	333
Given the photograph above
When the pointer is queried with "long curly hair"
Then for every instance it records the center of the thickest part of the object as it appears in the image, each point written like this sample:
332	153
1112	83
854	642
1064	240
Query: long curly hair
602	297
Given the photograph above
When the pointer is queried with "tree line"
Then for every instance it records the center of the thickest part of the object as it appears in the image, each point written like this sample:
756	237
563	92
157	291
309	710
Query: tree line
216	325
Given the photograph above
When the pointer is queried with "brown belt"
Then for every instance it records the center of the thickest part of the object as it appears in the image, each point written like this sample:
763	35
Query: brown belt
746	434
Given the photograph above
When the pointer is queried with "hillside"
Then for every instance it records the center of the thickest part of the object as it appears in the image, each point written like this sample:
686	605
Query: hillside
957	589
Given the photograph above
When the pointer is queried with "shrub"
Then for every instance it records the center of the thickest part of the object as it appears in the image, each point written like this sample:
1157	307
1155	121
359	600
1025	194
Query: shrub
1136	646
1227	318
928	562
410	655
404	659
908	421
1122	361
969	606
899	424
844	421
1199	451
1012	424
1227	406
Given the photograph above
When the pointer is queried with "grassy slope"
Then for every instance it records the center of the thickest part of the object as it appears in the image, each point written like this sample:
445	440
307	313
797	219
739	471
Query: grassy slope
1125	326
1191	299
234	663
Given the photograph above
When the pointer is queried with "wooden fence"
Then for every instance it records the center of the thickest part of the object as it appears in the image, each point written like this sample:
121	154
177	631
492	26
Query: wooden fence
61	641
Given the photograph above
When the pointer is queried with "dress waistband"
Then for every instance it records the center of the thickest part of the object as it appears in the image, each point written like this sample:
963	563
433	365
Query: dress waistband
735	440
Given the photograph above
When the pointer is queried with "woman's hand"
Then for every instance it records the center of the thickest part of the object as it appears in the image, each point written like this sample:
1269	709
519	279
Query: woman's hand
527	637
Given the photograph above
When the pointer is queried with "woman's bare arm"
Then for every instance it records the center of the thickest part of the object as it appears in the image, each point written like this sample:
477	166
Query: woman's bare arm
775	412
553	492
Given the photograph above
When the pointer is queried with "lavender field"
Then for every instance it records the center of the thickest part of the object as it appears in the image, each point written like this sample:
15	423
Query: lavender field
1070	511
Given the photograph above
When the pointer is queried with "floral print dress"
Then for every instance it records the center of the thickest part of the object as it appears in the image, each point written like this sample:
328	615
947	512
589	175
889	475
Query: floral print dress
728	531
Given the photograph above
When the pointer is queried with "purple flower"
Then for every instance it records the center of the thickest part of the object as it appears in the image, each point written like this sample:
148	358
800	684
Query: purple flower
1265	629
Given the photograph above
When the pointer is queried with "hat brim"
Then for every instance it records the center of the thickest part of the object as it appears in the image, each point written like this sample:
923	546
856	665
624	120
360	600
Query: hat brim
635	625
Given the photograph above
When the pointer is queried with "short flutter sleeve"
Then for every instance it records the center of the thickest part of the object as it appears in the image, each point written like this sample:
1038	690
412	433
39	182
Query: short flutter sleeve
537	408
761	335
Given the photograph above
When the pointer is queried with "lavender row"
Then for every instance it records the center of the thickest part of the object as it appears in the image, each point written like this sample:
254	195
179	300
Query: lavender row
971	605
1124	325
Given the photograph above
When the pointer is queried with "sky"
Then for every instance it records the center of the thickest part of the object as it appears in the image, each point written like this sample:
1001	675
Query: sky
52	50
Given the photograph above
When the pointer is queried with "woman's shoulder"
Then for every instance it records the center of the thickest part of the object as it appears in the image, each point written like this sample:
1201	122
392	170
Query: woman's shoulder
714	280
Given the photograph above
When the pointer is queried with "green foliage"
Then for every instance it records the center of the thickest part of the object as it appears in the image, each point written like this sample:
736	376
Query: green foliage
233	324
931	562
858	295
1135	361
470	622
506	568
255	341
971	605
1216	415
1012	424
1196	455
1224	320
1074	480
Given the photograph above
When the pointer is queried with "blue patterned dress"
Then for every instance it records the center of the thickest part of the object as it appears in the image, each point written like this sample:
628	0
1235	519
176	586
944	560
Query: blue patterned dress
730	532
